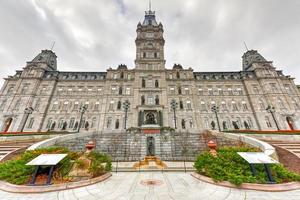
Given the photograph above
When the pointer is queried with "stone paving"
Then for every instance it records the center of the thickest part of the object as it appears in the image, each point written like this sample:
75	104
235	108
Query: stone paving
152	186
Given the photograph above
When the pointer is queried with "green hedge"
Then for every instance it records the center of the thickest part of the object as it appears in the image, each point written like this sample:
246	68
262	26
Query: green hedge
229	166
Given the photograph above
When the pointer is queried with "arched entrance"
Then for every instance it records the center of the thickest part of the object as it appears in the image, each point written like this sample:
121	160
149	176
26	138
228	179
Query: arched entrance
150	146
7	124
290	123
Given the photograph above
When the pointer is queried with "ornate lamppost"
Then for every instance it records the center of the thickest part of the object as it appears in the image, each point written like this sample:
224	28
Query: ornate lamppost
27	112
126	106
215	109
82	110
174	105
271	110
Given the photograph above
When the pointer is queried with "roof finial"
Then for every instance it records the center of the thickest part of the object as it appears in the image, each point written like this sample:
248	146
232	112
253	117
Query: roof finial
53	45
149	5
246	46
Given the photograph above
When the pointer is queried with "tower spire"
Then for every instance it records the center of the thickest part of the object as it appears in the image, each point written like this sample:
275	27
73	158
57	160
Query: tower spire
149	5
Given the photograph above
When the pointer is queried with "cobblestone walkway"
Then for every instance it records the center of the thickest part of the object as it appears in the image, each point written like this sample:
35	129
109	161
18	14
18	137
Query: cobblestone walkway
154	185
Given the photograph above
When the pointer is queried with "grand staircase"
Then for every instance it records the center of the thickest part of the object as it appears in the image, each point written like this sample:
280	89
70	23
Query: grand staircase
293	147
9	149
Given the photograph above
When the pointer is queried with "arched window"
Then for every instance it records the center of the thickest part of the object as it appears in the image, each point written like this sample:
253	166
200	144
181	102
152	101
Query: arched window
180	104
117	125
142	100
156	100
30	123
267	119
143	83
156	84
183	124
179	90
177	75
119	105
71	124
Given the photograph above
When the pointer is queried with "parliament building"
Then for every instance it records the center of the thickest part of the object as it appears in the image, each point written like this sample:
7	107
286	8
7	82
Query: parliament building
148	95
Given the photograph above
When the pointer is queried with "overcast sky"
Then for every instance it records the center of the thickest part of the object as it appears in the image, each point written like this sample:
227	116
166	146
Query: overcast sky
92	35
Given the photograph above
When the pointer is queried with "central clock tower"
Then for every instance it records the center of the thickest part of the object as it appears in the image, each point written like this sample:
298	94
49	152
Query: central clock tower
150	44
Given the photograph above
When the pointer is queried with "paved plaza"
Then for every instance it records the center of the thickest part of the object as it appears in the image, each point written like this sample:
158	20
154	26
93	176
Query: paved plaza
154	185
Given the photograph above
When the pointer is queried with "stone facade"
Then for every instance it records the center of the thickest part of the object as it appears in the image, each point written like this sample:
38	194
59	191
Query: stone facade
41	98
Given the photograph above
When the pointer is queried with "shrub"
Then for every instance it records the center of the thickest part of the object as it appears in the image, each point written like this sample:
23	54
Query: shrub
229	166
100	164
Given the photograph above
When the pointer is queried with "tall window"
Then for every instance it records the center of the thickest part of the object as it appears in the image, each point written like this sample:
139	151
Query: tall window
72	121
234	106
273	87
96	106
117	124
93	125
76	105
31	121
280	103
119	105
255	90
65	106
230	91
156	84
186	91
269	125
210	91
120	90
142	100
220	91
150	100
143	83
244	104
10	90
262	105
122	75
127	91
111	105
49	122
203	106
108	123
55	105
179	90
296	105
2	105
17	105
183	124
156	100
180	104
188	105
239	91
24	89
224	106
200	91
177	75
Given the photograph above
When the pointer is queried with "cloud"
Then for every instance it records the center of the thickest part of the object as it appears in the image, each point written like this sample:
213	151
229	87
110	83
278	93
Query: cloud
206	35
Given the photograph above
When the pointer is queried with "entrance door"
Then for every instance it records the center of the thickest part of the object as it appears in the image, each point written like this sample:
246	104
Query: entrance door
150	146
7	124
290	122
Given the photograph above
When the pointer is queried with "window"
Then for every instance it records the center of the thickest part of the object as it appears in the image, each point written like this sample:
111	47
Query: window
177	75
93	125
255	90
71	124
273	87
244	104
261	105
111	105
120	90
76	104
117	124
224	106
24	89
296	105
186	91
115	76
143	83
179	90
239	91
129	76
122	75
142	100
119	105
234	106
203	106
49	122
96	106
220	91
156	100
269	125
144	54
172	90
150	100
60	123
180	104
31	121
108	123
87	105
10	90
183	124
230	91
113	90
280	103
155	55
17	105
127	91
200	91
170	76
156	84
189	105
3	104
288	88
65	106
210	91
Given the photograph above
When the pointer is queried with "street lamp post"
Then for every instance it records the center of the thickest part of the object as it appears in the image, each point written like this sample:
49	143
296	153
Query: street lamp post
174	105
82	110
27	112
126	106
271	110
215	109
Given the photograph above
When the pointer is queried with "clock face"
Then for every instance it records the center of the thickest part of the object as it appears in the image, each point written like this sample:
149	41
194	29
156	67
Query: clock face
149	35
